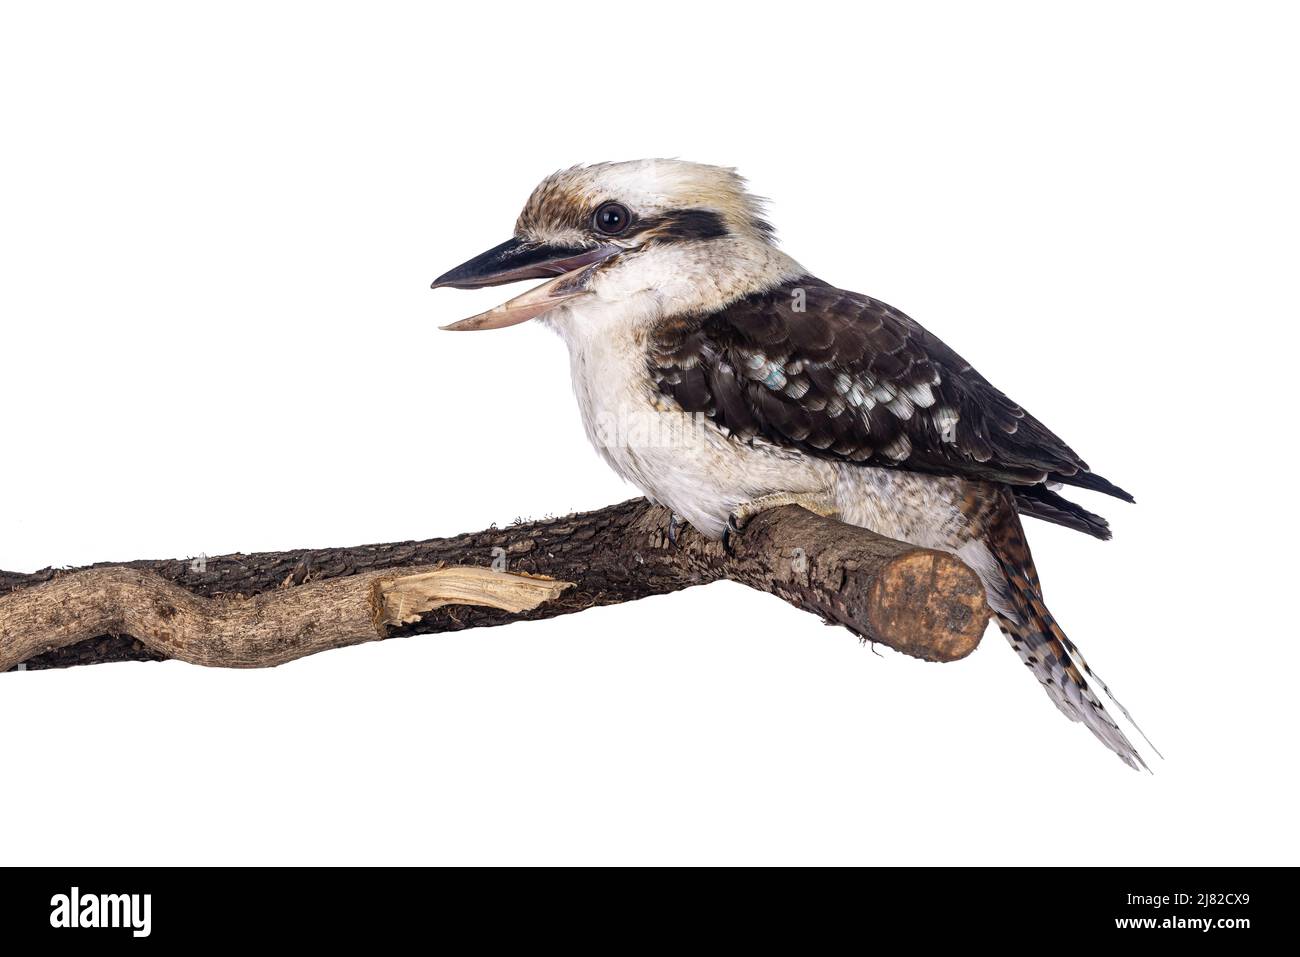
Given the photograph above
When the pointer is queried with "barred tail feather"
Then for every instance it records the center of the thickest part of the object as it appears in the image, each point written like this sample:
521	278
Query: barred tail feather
1041	647
1083	663
1045	649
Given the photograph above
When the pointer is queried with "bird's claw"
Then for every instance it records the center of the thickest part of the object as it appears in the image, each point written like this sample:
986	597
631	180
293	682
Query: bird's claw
674	524
733	527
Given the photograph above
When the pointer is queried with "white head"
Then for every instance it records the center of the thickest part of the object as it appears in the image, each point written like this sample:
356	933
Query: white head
668	235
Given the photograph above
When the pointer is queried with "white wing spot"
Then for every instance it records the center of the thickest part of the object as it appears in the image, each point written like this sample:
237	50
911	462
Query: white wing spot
920	394
901	407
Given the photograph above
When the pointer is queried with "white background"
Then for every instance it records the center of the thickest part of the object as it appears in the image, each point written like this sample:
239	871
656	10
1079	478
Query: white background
218	229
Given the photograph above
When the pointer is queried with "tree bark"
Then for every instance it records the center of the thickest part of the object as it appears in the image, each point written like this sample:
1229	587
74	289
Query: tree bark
265	609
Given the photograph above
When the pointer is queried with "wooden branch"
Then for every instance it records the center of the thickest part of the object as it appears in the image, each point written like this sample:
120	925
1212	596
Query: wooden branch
266	609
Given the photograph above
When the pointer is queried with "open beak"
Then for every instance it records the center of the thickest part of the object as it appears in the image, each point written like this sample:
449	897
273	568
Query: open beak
568	267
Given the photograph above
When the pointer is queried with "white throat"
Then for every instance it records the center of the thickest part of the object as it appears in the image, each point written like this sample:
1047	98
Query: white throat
630	296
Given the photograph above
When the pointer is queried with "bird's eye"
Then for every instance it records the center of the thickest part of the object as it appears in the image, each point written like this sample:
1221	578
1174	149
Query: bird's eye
611	219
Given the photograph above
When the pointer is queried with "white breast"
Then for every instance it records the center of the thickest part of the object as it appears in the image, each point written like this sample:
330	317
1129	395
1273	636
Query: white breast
677	459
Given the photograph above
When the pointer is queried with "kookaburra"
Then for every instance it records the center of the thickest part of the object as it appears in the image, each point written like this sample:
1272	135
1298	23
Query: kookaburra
721	378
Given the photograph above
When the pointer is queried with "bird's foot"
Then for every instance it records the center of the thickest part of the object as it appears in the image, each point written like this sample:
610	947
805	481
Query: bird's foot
819	503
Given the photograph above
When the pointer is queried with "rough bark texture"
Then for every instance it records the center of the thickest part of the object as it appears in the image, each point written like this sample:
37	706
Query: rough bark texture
263	609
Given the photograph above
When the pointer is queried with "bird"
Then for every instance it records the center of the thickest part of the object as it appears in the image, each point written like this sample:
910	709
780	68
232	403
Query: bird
722	378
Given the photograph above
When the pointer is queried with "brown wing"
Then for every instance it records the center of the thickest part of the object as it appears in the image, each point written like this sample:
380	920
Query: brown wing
842	375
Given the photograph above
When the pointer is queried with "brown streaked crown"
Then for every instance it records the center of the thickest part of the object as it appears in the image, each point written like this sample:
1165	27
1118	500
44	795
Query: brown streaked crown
670	201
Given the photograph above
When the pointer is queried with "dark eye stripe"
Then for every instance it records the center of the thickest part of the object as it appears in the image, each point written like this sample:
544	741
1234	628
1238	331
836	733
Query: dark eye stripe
683	225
